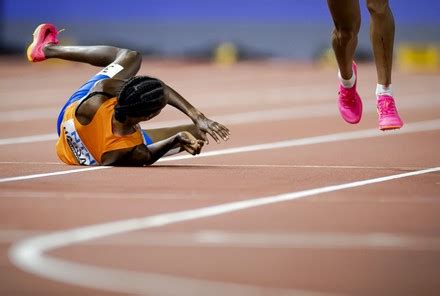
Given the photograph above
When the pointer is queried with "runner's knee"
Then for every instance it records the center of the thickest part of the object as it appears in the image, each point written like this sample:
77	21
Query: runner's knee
377	7
131	57
343	35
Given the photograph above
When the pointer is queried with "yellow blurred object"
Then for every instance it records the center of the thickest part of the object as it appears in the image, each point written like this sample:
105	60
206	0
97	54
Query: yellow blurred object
419	57
226	54
327	58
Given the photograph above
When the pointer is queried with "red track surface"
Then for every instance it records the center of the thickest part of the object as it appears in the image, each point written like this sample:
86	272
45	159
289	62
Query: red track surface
378	239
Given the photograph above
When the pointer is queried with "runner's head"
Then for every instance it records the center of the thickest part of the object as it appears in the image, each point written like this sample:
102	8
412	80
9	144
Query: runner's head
141	97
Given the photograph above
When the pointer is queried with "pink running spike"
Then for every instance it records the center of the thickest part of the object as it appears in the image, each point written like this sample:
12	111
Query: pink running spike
349	102
388	117
43	34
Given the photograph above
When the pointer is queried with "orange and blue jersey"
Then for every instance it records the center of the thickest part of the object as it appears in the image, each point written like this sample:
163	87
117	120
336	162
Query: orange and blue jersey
85	144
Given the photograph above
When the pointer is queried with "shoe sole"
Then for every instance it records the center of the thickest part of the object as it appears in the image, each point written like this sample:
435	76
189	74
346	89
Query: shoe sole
391	127
351	122
33	44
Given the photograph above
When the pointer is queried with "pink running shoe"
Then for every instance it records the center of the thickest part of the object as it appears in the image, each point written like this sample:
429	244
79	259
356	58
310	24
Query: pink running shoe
388	117
349	103
43	34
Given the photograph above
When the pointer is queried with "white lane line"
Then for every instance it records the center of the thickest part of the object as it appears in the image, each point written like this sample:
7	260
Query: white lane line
32	162
240	118
256	116
433	199
232	166
309	111
277	240
280	94
63	195
36	176
29	139
293	166
291	240
30	114
228	119
31	254
170	196
422	126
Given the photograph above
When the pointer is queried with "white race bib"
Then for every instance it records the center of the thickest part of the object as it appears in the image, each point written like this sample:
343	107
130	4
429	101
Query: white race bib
111	70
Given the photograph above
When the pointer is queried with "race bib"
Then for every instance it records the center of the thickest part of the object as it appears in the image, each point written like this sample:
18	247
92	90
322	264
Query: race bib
111	70
79	150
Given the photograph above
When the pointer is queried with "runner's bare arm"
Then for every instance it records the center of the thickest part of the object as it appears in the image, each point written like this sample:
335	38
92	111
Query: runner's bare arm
109	86
141	155
101	92
214	129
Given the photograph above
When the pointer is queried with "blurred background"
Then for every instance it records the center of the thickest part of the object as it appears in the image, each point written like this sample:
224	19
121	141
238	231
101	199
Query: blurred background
223	30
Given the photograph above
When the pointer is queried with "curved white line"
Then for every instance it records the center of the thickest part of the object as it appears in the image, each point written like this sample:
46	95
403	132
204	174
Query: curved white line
277	240
257	240
31	254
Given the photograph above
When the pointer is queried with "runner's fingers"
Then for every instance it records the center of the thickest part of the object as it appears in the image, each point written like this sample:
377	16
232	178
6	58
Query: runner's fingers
203	136
189	149
214	136
199	148
223	128
224	134
219	129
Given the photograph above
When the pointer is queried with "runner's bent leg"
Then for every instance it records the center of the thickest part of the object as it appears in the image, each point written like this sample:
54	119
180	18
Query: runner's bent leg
347	19
100	56
382	38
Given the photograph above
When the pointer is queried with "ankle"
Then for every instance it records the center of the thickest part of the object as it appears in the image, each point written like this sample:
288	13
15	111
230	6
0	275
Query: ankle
48	49
384	90
347	83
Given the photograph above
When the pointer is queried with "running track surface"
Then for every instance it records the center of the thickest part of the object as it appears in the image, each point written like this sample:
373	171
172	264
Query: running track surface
241	219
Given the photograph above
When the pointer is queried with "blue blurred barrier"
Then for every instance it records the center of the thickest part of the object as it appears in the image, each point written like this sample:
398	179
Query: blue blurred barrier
258	28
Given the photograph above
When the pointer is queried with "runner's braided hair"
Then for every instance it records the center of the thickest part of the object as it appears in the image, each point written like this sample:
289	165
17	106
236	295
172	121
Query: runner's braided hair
139	96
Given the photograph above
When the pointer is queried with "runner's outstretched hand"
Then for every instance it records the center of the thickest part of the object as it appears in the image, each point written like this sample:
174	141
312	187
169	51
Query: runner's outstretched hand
213	128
